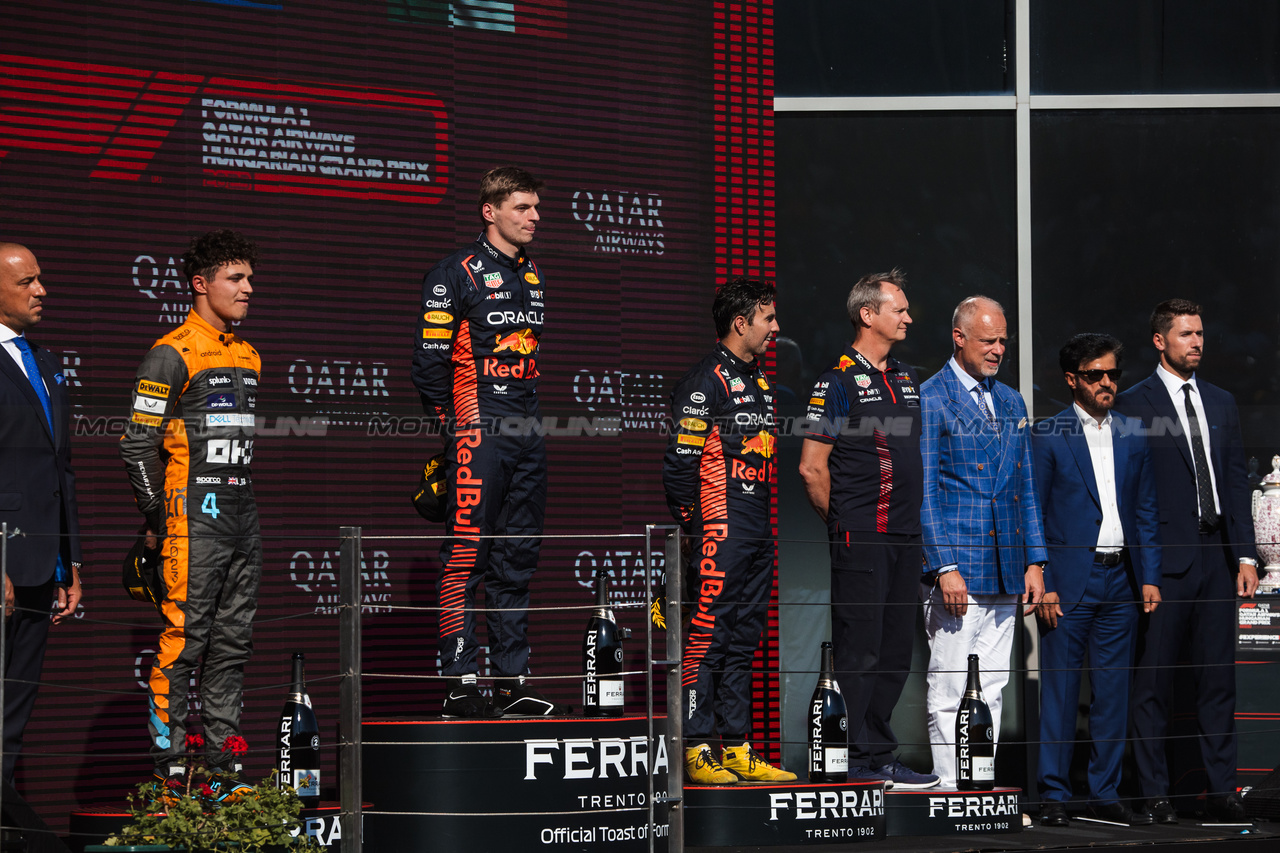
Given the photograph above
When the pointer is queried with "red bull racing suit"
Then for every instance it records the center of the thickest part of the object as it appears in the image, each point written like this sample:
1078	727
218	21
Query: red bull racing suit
718	474
475	366
187	449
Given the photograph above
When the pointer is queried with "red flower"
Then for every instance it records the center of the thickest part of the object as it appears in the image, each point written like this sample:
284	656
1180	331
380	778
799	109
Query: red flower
237	745
206	791
173	782
194	741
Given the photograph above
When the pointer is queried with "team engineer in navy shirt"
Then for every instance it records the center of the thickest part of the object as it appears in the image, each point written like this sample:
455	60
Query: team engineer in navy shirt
862	472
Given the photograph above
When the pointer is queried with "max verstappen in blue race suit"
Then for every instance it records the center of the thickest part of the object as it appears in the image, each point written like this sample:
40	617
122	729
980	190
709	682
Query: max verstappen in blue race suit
475	366
862	471
718	475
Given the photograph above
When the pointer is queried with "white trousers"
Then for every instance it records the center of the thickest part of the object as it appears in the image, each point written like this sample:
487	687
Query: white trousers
986	630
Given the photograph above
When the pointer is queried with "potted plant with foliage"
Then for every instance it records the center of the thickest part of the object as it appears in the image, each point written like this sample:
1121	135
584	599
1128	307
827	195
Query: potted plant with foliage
176	816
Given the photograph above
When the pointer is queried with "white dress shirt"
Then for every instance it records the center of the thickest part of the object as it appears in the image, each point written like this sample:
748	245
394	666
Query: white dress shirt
970	383
7	337
1098	437
1174	385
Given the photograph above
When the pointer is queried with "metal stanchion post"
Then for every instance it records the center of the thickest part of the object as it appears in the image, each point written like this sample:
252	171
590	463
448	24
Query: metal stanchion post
670	798
349	584
675	718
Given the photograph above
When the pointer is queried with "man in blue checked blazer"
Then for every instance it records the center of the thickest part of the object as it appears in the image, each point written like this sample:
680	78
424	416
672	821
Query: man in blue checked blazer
37	493
1097	487
983	544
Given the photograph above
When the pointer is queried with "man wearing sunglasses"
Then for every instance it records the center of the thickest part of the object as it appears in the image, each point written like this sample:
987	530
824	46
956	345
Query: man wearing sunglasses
1101	526
1209	558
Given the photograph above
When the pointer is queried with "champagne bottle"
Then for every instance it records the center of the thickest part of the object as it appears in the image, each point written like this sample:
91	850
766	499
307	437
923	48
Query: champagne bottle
602	688
975	737
298	741
828	726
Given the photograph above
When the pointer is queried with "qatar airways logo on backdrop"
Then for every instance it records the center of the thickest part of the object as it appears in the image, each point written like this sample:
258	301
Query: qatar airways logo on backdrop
621	221
630	582
157	277
315	573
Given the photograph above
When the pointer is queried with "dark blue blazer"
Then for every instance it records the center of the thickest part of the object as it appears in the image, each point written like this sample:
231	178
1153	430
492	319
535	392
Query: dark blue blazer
1175	472
37	486
1073	511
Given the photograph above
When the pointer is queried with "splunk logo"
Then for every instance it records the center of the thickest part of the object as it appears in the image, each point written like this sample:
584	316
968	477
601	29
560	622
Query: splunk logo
622	222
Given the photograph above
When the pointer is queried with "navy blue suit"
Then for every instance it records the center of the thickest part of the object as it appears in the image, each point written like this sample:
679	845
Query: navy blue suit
1198	614
1099	603
38	501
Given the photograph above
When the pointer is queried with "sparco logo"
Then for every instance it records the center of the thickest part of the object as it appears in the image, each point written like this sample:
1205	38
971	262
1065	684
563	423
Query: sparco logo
622	222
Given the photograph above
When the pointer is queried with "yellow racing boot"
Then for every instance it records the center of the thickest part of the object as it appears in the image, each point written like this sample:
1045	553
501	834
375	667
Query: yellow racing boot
701	767
749	766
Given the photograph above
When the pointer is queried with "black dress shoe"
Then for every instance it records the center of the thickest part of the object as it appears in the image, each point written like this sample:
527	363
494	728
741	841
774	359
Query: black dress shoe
1119	813
1054	814
1162	811
1228	809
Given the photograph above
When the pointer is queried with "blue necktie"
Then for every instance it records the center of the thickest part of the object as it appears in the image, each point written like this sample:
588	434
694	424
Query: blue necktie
986	410
33	376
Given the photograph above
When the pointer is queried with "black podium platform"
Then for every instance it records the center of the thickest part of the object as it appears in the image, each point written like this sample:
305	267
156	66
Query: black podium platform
796	813
91	826
568	783
934	811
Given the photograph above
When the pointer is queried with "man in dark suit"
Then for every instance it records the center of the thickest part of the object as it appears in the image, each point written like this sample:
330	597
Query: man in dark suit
1101	526
1208	558
983	543
37	493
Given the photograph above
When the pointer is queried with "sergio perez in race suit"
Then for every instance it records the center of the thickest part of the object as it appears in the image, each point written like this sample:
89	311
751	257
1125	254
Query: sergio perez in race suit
717	474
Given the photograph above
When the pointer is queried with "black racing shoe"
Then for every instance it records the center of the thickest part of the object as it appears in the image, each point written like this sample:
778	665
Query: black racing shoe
464	701
224	788
172	782
516	698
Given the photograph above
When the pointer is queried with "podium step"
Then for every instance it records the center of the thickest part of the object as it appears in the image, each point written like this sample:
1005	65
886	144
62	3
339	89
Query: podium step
91	826
935	811
564	783
794	813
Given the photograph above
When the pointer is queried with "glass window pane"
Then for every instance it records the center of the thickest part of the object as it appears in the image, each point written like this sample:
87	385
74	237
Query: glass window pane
1135	207
907	47
1154	46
